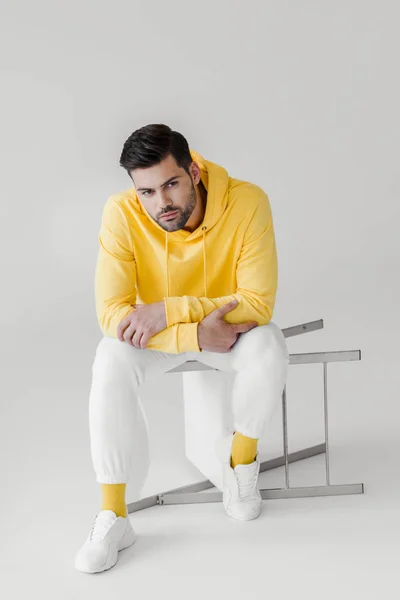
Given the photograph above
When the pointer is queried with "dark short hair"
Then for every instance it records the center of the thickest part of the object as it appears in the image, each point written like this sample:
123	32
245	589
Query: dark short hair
151	144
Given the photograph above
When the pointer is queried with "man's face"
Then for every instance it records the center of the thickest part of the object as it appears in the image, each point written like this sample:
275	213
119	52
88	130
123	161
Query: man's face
166	187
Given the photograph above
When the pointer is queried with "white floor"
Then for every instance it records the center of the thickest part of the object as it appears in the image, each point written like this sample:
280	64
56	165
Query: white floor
326	547
322	547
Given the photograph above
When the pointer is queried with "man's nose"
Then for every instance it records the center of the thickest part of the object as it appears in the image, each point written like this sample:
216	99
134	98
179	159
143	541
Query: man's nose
164	200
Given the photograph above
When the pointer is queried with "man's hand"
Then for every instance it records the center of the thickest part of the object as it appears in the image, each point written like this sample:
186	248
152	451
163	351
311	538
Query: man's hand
214	334
142	323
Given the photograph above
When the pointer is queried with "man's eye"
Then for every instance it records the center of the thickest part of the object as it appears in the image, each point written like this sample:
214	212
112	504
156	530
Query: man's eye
173	183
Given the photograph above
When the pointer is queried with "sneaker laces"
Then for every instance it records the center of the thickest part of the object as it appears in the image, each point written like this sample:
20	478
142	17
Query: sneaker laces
101	526
247	481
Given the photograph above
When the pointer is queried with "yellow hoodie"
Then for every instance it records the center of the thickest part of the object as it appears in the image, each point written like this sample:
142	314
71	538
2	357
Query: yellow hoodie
232	254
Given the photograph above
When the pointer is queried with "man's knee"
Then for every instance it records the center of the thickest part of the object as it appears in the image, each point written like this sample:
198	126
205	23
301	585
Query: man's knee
112	354
265	340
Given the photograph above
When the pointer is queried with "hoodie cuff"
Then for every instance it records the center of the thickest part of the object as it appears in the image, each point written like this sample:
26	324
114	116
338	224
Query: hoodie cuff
176	310
187	337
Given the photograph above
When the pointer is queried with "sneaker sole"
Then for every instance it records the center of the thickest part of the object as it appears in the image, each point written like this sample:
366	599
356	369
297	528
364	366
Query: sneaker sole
127	540
242	519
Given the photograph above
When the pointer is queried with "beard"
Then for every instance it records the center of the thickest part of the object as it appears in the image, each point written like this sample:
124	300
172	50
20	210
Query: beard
183	215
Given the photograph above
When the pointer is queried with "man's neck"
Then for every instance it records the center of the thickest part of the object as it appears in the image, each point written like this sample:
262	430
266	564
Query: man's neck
200	210
203	195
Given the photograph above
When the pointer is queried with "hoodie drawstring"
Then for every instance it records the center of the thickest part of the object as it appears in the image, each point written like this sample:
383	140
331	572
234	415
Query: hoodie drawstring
204	261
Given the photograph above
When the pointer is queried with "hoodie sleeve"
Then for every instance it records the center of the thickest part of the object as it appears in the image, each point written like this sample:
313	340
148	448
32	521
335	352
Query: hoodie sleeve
256	277
115	285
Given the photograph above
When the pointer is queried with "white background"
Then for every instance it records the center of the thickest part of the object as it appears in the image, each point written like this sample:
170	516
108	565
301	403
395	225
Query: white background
301	98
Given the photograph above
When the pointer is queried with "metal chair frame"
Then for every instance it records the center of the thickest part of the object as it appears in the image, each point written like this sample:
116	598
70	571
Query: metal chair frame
191	494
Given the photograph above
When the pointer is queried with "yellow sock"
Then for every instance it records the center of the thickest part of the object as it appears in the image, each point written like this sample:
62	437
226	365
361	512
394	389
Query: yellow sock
114	498
244	450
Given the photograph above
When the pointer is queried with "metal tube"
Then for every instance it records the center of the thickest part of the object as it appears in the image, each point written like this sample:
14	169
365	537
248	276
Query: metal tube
285	437
303	328
304	358
268	494
326	421
321	357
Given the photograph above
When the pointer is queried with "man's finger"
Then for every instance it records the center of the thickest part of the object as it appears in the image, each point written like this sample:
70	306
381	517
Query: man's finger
122	326
222	310
129	333
120	330
243	327
136	338
144	340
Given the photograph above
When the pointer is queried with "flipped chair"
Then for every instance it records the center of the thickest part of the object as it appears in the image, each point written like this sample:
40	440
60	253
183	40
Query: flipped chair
190	493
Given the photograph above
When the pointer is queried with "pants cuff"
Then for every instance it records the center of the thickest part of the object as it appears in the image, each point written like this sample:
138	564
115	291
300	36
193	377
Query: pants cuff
111	479
246	432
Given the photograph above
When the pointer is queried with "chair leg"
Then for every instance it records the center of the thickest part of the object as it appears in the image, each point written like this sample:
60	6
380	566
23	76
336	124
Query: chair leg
191	494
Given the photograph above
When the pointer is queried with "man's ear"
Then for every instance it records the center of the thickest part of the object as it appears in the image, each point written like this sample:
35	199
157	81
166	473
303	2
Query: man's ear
195	172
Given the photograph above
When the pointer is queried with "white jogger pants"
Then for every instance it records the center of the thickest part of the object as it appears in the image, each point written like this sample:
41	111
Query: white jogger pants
117	422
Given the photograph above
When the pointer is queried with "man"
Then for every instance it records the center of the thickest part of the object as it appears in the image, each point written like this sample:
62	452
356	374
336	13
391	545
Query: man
197	248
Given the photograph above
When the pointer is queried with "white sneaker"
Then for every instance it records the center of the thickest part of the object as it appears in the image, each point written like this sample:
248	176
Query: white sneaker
241	495
108	535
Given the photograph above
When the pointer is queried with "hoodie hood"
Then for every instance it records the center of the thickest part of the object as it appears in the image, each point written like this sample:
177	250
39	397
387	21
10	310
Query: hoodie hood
216	181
